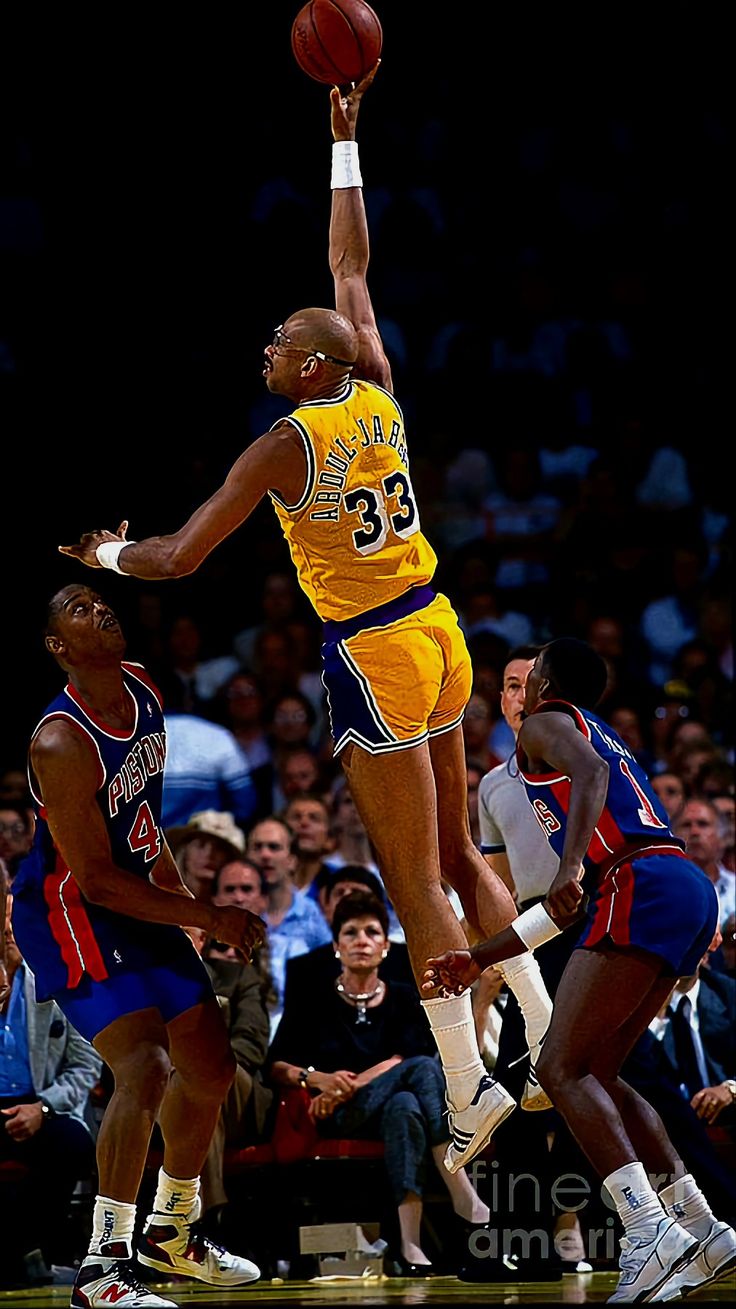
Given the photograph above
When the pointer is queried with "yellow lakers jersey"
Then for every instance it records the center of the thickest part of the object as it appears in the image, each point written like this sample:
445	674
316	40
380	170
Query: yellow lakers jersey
354	535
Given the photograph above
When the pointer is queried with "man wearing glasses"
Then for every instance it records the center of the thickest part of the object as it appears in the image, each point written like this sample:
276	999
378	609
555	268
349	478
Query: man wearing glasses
396	667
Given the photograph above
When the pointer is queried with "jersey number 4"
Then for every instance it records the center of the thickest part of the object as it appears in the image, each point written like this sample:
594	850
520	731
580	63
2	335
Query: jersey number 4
144	834
374	515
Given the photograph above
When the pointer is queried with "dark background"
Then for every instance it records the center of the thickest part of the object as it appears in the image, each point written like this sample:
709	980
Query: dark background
583	160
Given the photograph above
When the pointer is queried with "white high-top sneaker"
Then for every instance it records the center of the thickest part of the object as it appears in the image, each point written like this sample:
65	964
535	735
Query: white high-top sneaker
174	1244
472	1128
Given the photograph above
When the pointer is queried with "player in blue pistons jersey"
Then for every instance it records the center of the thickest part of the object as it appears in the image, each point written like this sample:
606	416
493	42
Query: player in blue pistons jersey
98	911
651	916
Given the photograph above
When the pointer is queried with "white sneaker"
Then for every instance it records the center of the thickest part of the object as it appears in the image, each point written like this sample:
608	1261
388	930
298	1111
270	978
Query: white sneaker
103	1282
472	1128
647	1265
175	1245
713	1258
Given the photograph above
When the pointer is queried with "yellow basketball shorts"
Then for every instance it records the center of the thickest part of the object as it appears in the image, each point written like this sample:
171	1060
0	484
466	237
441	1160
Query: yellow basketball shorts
396	675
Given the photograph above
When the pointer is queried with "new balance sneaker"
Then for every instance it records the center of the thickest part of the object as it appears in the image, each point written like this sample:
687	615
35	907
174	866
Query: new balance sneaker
471	1129
172	1244
647	1265
714	1256
102	1282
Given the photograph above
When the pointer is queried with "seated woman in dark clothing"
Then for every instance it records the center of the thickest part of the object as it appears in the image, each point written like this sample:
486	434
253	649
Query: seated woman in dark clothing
364	1049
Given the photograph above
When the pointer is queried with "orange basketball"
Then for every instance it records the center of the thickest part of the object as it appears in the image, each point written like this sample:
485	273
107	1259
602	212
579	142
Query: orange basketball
336	41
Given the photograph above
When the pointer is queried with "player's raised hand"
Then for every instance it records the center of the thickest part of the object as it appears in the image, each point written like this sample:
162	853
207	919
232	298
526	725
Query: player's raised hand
344	106
452	972
86	550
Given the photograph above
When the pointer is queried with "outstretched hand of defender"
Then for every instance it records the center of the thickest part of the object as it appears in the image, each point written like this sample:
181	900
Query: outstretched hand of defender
238	927
85	552
450	973
344	107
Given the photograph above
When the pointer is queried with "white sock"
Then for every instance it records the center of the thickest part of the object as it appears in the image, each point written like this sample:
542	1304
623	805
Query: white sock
521	974
175	1195
636	1202
112	1221
453	1028
685	1201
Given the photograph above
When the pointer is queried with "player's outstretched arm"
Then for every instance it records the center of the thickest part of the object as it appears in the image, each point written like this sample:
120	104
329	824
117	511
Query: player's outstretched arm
275	461
349	246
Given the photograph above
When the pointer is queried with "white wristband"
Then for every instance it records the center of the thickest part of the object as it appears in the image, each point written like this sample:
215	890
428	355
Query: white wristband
535	926
345	165
107	554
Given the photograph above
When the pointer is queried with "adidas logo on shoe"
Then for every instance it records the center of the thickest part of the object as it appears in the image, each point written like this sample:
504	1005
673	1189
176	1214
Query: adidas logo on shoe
472	1128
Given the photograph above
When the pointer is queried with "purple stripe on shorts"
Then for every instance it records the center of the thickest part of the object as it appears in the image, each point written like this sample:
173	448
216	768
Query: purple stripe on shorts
417	597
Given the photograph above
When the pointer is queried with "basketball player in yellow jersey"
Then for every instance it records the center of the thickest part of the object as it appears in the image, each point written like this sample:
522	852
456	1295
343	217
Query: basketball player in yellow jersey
396	668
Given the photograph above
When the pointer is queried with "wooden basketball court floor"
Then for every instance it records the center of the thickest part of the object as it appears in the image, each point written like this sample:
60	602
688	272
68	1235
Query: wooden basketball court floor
587	1288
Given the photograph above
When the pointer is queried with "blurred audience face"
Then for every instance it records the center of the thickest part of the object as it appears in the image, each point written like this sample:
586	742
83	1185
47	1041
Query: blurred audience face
299	772
279	597
606	635
290	724
16	834
691	761
239	883
625	721
309	820
244	701
477	723
671	791
700	828
13	786
269	846
198	859
726	806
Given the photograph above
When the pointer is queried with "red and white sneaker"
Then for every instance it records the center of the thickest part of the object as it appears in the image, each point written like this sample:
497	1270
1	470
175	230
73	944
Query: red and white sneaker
102	1282
173	1244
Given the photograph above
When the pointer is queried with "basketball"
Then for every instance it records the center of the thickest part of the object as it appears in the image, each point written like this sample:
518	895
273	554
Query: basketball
336	41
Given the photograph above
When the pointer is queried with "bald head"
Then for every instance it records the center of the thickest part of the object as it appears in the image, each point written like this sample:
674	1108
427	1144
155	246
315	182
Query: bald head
325	330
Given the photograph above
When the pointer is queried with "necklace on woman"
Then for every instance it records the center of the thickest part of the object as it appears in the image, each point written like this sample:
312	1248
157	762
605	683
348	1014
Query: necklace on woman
361	999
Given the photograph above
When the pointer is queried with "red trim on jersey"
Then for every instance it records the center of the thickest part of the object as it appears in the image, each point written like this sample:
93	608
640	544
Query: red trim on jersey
71	928
139	672
98	722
